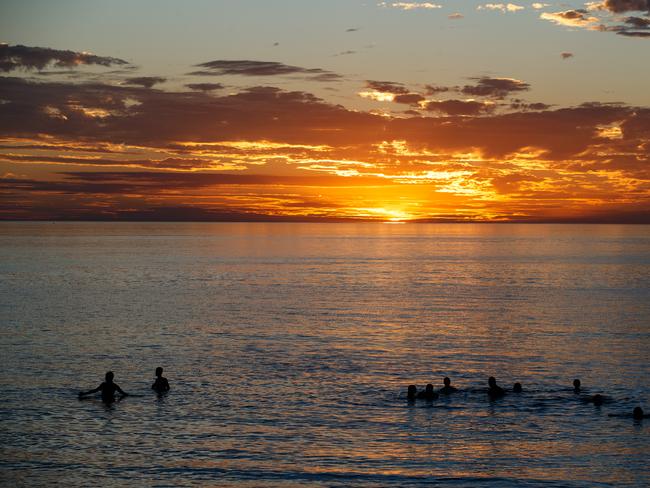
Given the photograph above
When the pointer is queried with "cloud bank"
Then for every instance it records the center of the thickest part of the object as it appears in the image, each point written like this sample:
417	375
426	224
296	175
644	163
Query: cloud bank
84	149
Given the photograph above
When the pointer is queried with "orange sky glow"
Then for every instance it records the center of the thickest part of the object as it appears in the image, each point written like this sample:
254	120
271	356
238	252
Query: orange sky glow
93	137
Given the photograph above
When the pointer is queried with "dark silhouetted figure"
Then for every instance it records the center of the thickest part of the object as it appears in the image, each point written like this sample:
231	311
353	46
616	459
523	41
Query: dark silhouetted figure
108	389
494	390
428	393
161	385
447	389
517	388
597	399
576	386
411	392
637	414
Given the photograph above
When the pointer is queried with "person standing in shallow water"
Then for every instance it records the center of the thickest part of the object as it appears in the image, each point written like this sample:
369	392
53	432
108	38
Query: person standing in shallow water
411	393
576	386
447	389
494	390
428	393
108	389
160	385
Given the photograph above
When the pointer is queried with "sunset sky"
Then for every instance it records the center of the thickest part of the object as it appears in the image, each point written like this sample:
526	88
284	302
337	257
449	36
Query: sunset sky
325	110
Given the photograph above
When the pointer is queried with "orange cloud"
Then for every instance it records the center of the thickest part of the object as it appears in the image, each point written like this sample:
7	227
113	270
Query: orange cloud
90	150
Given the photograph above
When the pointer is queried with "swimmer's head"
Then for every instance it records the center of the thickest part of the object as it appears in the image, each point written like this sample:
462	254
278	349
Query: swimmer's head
159	371
446	381
517	388
598	399
109	377
637	413
429	389
492	382
576	384
412	390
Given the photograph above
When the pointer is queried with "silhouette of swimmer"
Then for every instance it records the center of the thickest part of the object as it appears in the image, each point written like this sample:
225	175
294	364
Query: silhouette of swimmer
517	388
161	385
597	399
108	389
447	389
428	393
411	392
576	386
494	390
637	414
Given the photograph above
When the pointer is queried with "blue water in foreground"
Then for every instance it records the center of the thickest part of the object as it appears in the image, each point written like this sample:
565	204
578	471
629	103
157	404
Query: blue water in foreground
289	348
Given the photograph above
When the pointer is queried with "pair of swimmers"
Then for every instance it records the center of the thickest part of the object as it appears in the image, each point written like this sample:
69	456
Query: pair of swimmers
428	393
495	391
596	399
108	387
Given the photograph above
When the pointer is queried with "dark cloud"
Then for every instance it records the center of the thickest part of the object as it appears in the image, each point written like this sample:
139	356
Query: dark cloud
517	104
521	105
387	87
561	133
633	27
326	76
38	58
458	107
434	89
643	34
138	115
261	68
621	6
204	86
626	26
638	22
37	146
538	106
167	163
615	215
145	81
148	182
263	113
495	87
69	72
70	200
352	29
409	98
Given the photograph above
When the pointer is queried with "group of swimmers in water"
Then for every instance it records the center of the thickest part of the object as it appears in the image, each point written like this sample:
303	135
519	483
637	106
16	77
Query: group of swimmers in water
109	388
494	391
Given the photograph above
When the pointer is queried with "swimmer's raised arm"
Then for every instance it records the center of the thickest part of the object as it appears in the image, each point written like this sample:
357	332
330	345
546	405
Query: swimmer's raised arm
90	392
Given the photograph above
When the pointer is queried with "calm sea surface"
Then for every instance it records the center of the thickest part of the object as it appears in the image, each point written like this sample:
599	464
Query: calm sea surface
289	348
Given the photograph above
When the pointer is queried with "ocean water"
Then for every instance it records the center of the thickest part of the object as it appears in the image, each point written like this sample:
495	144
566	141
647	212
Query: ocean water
289	348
